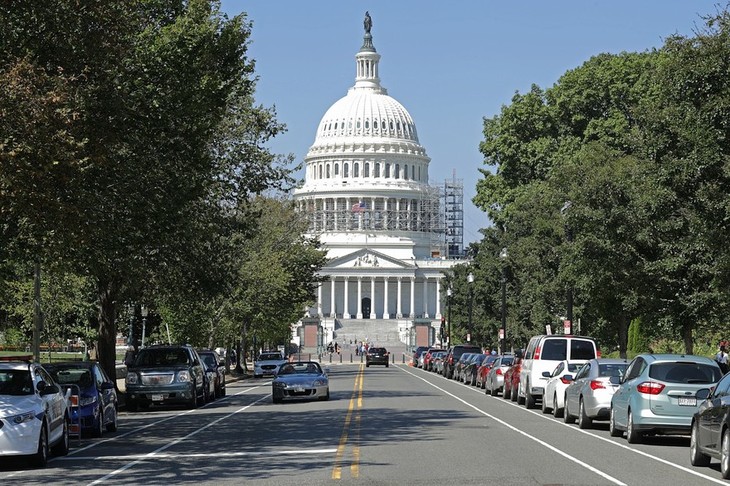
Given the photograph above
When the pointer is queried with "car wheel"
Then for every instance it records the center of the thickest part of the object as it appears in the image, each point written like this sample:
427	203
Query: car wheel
520	400
513	395
697	458
193	403
613	431
584	421
112	426
632	434
40	458
387	365
275	397
132	405
557	411
529	399
326	397
567	417
487	389
506	392
98	424
63	445
544	408
725	455
367	365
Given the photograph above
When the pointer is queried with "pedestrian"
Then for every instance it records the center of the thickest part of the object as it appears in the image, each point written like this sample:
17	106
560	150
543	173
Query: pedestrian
722	359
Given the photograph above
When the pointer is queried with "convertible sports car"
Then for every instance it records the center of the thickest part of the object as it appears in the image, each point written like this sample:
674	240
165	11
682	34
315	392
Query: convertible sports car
300	380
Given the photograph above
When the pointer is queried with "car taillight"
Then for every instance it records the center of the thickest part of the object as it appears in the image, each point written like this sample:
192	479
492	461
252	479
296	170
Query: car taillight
499	371
565	382
650	388
536	354
598	353
596	384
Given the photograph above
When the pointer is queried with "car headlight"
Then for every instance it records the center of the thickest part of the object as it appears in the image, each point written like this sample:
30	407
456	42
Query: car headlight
22	418
279	384
131	379
319	382
83	401
183	376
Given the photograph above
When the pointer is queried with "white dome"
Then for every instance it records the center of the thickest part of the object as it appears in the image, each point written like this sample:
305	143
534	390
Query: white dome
366	113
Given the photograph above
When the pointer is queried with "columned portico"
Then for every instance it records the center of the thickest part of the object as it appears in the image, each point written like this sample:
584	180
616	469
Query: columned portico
386	310
359	297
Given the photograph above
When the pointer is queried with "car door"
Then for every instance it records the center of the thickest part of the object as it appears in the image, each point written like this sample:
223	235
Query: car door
712	413
552	382
620	400
54	403
106	394
573	391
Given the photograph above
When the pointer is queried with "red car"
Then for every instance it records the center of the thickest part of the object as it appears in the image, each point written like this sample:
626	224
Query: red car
484	369
512	380
428	358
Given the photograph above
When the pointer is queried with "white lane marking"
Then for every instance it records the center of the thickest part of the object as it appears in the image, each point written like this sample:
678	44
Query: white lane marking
147	457
604	439
176	441
158	422
515	429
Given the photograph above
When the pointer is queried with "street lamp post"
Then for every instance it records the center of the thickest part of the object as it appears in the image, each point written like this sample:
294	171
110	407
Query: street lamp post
470	279
503	256
569	292
144	323
449	292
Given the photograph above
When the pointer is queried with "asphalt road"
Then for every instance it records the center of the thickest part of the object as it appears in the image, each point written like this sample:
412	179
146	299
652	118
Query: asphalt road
396	425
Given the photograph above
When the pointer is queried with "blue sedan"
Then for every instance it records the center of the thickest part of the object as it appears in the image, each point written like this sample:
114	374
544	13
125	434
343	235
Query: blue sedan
658	394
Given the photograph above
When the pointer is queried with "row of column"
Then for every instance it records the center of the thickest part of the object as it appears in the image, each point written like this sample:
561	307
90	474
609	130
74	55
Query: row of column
386	314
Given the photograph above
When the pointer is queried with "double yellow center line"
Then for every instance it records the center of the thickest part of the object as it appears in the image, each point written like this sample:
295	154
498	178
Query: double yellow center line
354	407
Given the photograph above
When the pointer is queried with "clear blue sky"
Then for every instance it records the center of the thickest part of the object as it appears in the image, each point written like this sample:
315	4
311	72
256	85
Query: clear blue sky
450	64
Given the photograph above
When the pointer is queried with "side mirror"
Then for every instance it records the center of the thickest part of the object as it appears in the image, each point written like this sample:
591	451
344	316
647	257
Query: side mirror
41	386
546	374
702	393
615	380
568	377
107	385
49	389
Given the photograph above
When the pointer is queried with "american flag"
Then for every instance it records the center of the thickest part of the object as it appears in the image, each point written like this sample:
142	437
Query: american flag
359	207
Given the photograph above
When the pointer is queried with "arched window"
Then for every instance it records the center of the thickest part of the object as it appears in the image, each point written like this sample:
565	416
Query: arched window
358	124
320	171
367	124
327	171
346	170
337	170
405	172
375	124
366	170
377	169
397	171
387	171
419	173
355	170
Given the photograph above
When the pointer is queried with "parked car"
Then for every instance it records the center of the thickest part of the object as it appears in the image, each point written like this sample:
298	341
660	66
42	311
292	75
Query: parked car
543	354
452	357
512	380
495	378
437	362
377	356
267	363
711	427
428	358
415	360
471	368
558	380
215	367
95	392
34	414
589	395
483	370
300	380
461	364
167	374
658	394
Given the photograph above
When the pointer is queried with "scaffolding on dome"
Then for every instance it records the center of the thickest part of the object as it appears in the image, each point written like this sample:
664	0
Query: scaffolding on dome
453	210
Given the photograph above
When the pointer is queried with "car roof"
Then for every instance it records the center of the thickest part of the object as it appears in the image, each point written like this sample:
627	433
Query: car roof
14	365
675	357
610	360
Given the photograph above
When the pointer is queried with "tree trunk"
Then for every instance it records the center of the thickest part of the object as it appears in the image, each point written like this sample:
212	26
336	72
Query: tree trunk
623	335
687	338
106	349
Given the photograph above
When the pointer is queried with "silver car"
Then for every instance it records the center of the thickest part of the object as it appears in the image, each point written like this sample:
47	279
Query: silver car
494	382
658	394
300	380
588	397
267	364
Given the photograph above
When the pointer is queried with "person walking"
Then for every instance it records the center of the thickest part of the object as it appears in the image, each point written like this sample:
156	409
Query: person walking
722	358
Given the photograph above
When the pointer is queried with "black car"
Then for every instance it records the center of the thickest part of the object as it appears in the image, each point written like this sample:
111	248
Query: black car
377	356
471	368
453	355
164	375
215	366
711	427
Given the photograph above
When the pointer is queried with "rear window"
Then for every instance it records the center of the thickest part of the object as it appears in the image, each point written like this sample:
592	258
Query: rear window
459	350
681	372
162	357
582	349
555	349
507	361
614	369
377	351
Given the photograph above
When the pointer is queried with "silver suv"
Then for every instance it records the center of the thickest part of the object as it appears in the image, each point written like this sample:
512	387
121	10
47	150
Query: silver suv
543	354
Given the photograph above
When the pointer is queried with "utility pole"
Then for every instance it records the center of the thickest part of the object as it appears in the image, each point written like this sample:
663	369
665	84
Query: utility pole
37	313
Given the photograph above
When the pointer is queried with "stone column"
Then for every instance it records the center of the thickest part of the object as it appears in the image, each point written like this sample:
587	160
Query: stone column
359	298
425	296
413	298
386	314
333	310
319	300
372	297
399	308
346	311
438	298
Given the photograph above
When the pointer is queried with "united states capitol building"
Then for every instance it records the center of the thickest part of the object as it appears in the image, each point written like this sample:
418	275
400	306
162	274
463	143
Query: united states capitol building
390	234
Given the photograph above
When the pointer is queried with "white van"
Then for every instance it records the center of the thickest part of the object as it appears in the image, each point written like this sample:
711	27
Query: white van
543	353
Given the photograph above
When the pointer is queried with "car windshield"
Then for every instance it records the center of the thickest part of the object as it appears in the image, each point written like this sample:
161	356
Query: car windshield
300	369
161	357
269	357
507	361
71	376
685	372
15	382
209	360
614	369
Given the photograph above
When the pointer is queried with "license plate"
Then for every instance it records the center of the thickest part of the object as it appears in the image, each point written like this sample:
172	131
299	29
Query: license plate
158	398
299	389
688	401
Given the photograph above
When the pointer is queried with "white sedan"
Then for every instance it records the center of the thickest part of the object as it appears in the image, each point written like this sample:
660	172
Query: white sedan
267	364
558	380
33	411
